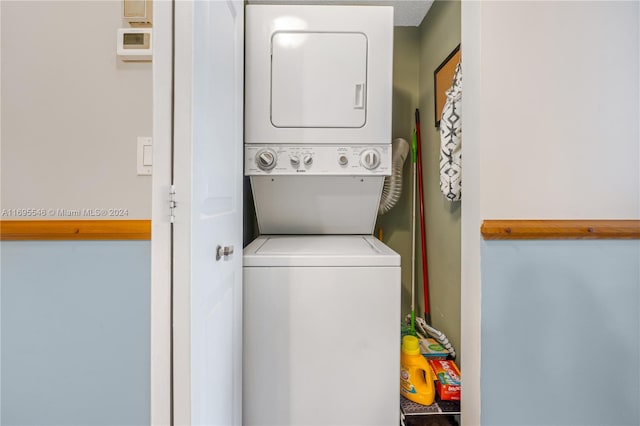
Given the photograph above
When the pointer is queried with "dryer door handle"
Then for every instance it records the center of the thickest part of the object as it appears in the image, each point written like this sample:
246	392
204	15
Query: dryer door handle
359	98
225	252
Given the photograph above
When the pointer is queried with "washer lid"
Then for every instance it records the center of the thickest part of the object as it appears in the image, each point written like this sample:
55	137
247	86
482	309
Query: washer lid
319	250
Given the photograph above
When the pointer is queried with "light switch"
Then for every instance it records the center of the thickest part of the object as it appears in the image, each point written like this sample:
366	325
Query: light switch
144	156
147	155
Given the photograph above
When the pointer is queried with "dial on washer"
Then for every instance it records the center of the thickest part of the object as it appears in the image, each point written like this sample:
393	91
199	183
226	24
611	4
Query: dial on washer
370	159
266	159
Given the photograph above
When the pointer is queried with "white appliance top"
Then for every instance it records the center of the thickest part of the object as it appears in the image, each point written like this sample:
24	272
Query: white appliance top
405	13
319	250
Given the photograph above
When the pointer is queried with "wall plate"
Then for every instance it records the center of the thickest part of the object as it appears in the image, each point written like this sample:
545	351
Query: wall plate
144	160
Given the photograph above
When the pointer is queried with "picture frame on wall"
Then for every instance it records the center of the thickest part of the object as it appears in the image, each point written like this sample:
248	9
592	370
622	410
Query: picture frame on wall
442	80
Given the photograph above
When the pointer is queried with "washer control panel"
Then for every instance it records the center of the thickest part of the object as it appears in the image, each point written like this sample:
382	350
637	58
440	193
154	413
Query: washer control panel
317	160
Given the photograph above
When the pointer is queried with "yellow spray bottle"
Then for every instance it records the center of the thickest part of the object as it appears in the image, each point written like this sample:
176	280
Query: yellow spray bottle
416	376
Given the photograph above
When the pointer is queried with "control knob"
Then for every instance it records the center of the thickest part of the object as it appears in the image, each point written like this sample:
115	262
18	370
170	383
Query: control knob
266	159
343	160
307	159
295	161
370	159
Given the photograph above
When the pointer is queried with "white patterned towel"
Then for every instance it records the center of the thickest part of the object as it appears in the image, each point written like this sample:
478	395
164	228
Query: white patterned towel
451	141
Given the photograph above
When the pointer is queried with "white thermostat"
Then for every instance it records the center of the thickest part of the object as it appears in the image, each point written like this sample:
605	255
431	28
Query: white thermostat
134	44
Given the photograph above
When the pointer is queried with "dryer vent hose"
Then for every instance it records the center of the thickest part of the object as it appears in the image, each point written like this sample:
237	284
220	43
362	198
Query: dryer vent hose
393	184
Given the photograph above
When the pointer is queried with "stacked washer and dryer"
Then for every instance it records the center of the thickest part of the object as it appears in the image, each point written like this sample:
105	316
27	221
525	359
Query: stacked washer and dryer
321	294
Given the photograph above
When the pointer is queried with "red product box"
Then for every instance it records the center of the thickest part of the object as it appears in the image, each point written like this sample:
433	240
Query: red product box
448	379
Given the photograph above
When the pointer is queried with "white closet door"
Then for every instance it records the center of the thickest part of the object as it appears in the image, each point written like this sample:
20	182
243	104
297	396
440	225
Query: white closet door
207	288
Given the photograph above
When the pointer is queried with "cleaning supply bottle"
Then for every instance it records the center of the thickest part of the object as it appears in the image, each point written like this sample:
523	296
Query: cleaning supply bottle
416	376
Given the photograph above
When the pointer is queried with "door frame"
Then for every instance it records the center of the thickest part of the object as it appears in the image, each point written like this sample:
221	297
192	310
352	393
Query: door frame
161	227
471	217
161	308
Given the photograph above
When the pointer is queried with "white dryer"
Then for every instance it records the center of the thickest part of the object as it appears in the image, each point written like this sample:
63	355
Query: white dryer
318	91
318	75
321	331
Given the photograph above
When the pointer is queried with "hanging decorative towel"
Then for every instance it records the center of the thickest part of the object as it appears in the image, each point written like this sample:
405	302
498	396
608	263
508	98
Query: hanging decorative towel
451	141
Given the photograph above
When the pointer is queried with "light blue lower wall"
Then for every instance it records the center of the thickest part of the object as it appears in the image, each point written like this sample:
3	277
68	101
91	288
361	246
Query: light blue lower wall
75	333
560	333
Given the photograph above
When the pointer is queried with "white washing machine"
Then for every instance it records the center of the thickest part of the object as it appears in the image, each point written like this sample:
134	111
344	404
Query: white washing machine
321	331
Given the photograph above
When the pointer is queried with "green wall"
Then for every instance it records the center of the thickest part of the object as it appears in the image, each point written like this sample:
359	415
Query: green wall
417	53
439	35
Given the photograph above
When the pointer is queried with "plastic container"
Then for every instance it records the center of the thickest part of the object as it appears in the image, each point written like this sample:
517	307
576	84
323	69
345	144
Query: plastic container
416	376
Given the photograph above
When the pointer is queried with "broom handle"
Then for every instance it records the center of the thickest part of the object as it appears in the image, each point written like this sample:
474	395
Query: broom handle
414	155
425	272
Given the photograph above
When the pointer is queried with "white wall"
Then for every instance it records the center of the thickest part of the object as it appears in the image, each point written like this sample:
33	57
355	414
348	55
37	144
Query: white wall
560	110
551	131
71	111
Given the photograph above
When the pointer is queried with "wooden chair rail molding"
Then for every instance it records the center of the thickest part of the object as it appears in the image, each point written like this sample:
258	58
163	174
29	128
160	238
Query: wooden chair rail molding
560	229
72	230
